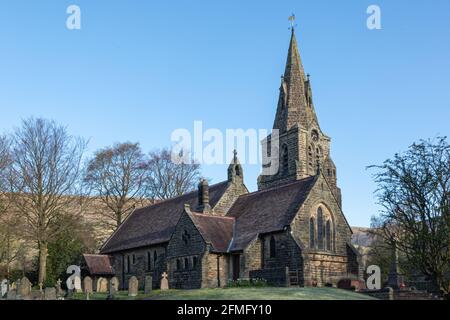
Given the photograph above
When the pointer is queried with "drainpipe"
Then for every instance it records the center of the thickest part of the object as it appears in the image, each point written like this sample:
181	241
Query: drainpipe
123	271
218	271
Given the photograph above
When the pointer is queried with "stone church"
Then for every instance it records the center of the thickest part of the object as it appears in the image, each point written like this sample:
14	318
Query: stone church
292	231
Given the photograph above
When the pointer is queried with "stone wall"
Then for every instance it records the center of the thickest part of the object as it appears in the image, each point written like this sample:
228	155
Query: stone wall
291	140
185	255
323	266
212	266
323	269
321	195
142	263
258	263
235	188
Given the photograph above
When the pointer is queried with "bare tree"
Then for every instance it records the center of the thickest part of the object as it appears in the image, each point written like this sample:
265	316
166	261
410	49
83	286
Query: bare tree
117	176
12	245
46	168
9	246
414	191
5	162
168	179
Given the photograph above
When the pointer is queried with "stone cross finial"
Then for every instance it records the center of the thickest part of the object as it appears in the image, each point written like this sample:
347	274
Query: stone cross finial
164	275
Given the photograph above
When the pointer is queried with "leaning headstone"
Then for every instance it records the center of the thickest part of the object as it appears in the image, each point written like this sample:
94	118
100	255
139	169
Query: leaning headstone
102	285
133	286
164	282
11	295
115	283
3	288
17	288
24	287
113	287
148	284
87	285
50	294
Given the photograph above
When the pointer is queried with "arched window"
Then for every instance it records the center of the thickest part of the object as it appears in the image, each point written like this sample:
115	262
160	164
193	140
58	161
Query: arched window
312	233
328	235
334	239
317	156
155	258
178	264
310	157
320	228
238	172
194	262
272	248
285	159
149	261
186	263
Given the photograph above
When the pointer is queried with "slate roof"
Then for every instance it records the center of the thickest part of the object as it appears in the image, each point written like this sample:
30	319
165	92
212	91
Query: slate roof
156	223
98	264
267	211
260	212
217	230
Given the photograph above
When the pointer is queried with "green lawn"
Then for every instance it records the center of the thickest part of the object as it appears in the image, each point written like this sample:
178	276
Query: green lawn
267	293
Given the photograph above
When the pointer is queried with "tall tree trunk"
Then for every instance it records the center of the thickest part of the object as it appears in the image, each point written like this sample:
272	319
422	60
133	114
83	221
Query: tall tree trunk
42	261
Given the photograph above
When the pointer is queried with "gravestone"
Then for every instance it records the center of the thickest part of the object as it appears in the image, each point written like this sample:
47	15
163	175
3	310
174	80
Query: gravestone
24	287
164	282
11	295
102	285
59	291
113	287
148	284
77	284
50	294
87	285
133	286
3	288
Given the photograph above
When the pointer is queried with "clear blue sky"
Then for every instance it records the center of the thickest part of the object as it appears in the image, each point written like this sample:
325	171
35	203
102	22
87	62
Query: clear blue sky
137	70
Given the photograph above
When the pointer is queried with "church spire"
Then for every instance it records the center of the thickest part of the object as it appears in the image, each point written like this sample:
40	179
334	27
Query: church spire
295	102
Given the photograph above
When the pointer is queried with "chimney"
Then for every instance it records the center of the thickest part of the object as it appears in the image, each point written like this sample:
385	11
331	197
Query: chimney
203	196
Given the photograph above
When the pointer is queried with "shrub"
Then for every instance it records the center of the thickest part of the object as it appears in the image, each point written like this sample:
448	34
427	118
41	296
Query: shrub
242	283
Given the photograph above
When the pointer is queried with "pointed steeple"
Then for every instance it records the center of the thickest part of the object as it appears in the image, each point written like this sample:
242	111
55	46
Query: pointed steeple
295	106
294	72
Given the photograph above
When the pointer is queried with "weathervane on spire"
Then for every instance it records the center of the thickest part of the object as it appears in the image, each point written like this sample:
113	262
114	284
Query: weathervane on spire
292	22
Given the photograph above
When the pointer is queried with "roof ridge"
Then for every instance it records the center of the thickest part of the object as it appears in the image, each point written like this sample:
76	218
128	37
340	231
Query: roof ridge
179	196
212	216
278	187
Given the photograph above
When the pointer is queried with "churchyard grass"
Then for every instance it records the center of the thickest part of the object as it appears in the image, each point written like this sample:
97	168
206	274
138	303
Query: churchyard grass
267	293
